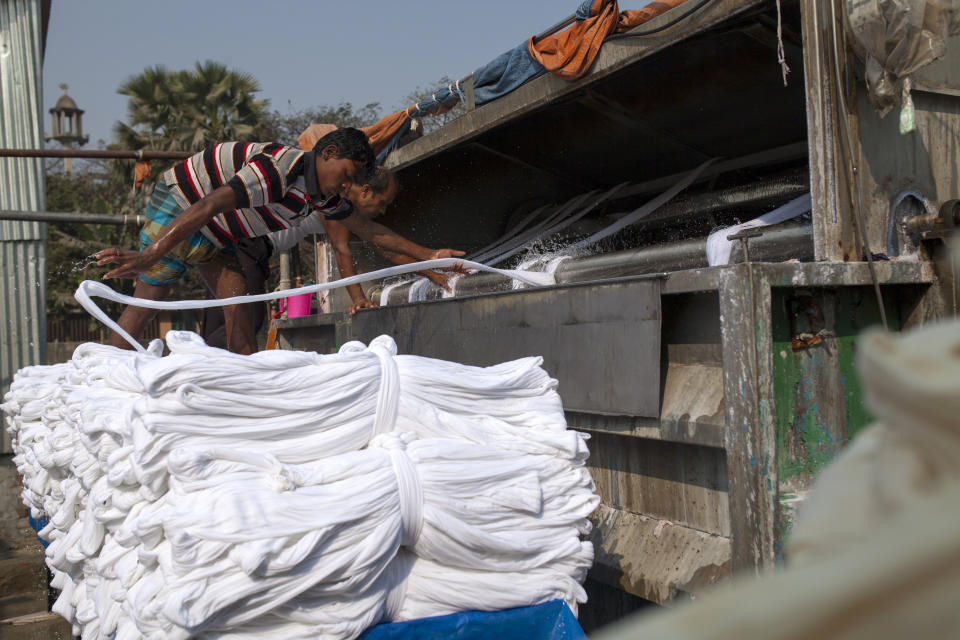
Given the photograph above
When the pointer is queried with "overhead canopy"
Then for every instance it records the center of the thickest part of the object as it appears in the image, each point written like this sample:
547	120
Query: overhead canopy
567	54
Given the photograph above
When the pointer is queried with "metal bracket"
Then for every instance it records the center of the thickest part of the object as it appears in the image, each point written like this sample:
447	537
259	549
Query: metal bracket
744	237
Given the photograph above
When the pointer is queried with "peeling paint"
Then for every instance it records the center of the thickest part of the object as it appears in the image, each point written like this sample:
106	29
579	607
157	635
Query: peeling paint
819	405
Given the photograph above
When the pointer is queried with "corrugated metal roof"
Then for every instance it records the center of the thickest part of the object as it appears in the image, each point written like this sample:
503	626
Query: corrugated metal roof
22	244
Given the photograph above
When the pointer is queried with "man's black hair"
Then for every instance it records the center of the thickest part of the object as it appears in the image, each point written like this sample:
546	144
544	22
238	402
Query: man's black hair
351	144
379	180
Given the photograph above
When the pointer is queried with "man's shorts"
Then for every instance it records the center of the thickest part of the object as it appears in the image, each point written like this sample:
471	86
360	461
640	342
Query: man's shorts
162	209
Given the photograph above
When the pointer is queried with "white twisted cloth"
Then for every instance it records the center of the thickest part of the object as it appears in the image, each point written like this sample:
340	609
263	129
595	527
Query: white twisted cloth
289	494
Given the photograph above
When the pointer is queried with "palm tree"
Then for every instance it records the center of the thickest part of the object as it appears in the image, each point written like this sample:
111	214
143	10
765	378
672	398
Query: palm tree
190	109
154	111
219	104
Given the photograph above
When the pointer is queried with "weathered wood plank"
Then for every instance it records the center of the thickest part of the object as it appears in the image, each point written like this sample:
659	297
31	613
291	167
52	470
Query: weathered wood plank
751	435
684	484
658	562
832	234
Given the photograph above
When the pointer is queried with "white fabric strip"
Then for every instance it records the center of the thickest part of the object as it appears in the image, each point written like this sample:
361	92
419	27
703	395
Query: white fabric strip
409	491
718	247
388	397
89	289
385	292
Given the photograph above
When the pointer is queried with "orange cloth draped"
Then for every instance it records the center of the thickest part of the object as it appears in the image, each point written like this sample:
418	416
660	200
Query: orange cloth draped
635	17
569	53
382	131
379	133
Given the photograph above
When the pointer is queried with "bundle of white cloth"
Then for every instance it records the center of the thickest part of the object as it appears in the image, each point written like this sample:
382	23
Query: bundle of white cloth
289	494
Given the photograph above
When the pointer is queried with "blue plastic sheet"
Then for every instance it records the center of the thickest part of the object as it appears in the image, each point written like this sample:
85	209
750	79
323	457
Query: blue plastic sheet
36	524
548	621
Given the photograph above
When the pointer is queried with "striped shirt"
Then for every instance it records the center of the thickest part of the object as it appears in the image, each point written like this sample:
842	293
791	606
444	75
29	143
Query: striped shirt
275	185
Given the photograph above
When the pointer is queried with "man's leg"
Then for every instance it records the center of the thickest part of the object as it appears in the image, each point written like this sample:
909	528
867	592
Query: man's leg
238	319
133	320
254	256
155	284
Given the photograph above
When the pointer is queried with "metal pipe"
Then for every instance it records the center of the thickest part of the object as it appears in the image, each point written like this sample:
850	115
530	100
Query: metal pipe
923	222
84	218
284	270
787	240
557	27
117	154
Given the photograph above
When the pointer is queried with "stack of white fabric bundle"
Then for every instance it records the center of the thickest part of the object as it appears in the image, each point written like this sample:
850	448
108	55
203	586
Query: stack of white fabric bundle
289	494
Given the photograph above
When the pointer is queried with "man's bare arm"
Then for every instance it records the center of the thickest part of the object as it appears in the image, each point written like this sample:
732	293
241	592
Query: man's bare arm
133	263
339	237
380	236
436	277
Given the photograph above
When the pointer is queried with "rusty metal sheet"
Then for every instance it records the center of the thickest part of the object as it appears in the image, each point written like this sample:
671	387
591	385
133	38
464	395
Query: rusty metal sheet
601	341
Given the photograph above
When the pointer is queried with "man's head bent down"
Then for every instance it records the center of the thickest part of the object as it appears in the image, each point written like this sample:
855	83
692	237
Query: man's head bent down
371	199
343	157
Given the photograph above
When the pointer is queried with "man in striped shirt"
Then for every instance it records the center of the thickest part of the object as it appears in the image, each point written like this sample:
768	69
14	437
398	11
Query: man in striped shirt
234	190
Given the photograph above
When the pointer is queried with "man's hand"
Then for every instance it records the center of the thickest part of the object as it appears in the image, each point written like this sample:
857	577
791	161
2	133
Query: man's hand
446	253
132	263
362	304
439	279
450	253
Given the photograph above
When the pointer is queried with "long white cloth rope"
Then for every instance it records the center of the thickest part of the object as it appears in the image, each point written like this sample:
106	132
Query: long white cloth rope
90	289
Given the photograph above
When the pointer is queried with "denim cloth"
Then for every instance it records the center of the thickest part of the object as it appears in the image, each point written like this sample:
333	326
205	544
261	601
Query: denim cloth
585	10
504	73
450	94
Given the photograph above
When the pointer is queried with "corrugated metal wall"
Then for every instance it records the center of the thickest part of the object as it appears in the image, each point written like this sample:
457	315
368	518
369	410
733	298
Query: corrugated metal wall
22	244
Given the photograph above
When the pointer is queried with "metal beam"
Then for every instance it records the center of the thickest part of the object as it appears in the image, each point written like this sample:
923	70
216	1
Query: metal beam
566	22
142	154
84	218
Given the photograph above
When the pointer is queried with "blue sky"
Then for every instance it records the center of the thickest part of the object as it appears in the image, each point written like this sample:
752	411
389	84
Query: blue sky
302	53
